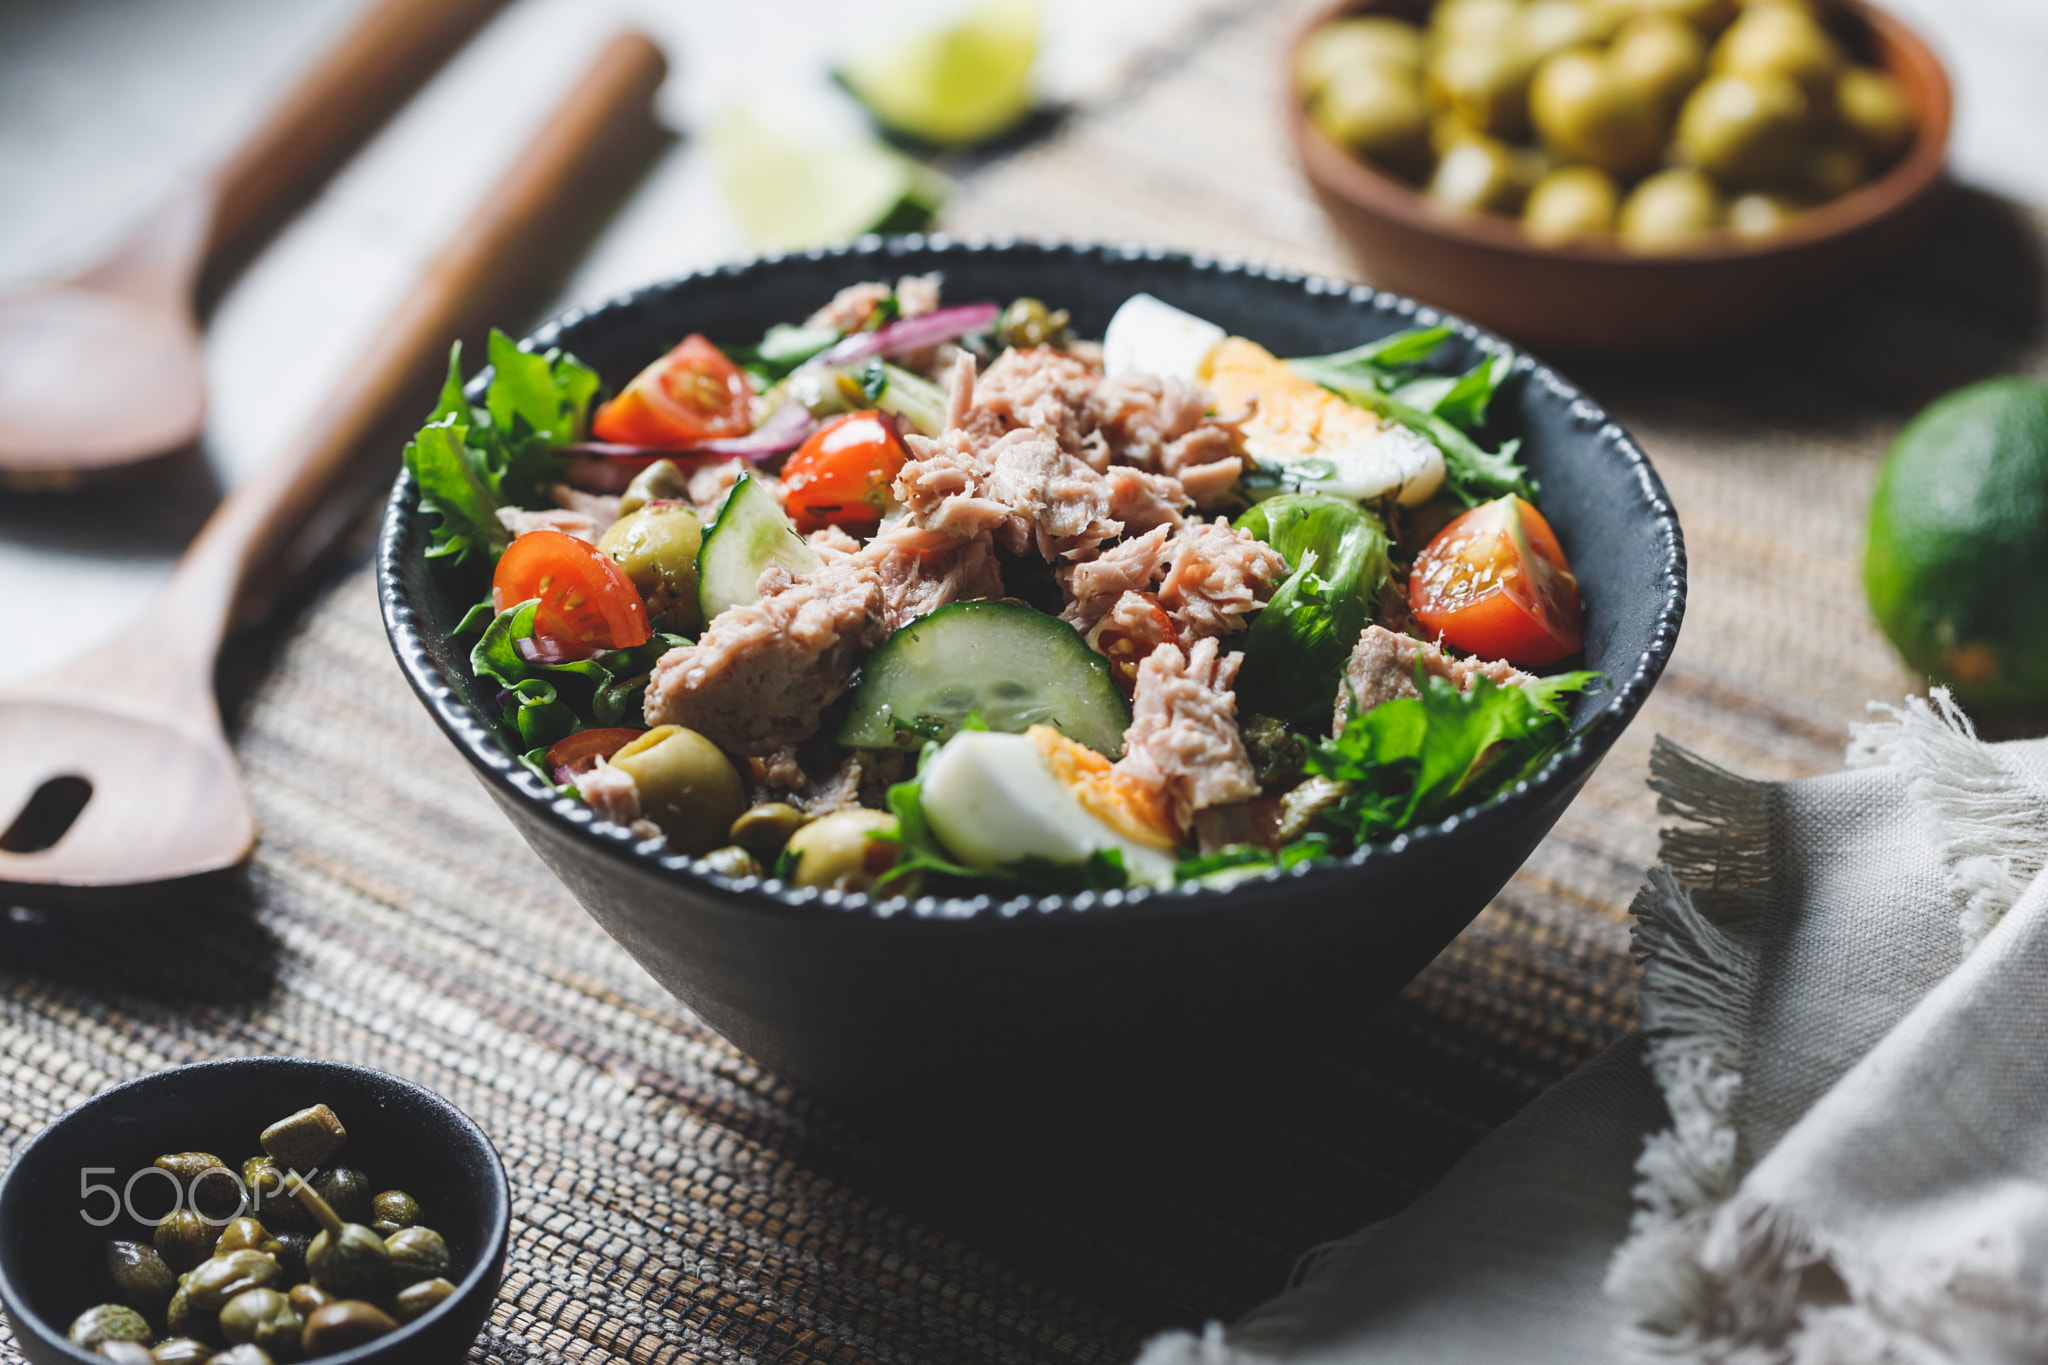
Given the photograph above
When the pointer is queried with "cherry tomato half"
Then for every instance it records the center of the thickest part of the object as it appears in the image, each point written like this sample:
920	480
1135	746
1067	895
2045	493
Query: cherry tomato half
692	394
1126	636
841	475
586	602
1495	583
572	757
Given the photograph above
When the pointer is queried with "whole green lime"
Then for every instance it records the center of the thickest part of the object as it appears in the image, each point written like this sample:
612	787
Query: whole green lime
1957	565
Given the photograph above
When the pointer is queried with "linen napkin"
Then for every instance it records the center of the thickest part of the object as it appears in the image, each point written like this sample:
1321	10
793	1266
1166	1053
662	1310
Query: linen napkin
1827	1146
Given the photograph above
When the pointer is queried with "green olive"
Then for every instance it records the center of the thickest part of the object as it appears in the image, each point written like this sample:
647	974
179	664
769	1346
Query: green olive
1586	111
418	1300
141	1278
1781	40
305	1140
1744	130
347	1192
125	1353
184	1239
1481	175
685	784
1378	114
263	1317
1671	211
210	1187
1874	109
246	1234
1708	16
1547	27
734	861
212	1283
182	1351
657	547
107	1322
1756	216
269	1197
1660	56
346	1323
1570	204
659	482
416	1254
762	830
350	1264
1485	83
1372	40
840	850
1456	20
392	1210
247	1354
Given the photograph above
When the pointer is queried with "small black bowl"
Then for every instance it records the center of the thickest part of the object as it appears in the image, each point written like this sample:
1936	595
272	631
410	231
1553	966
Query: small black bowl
404	1137
884	1005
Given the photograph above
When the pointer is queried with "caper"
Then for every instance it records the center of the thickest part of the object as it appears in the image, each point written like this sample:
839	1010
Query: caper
656	545
291	1253
1874	110
107	1322
1378	113
351	1264
418	1300
1661	56
1757	216
212	1283
246	1234
392	1210
1781	40
264	1317
840	849
1027	322
187	1319
762	830
211	1188
1586	111
307	1297
141	1278
305	1140
733	861
416	1254
250	1354
1367	40
182	1351
183	1239
659	482
1485	83
126	1353
269	1198
1670	211
340	1325
1454	20
1742	129
686	786
347	1192
1481	175
1570	204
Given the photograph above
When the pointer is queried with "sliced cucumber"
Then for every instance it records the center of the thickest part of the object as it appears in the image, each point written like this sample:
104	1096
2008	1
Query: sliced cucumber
1014	666
751	532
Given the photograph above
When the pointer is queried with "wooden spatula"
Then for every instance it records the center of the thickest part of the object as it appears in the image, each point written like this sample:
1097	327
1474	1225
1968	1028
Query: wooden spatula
126	326
133	728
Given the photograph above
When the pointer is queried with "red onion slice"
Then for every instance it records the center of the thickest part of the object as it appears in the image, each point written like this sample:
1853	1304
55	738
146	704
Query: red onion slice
908	334
786	429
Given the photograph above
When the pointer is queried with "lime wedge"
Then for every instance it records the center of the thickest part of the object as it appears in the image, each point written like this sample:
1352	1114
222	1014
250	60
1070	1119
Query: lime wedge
951	86
789	191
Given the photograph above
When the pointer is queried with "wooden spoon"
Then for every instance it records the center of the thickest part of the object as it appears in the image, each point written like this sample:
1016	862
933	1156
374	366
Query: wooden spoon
133	728
105	368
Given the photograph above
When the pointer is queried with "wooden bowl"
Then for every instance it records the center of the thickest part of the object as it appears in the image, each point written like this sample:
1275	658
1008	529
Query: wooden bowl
1597	296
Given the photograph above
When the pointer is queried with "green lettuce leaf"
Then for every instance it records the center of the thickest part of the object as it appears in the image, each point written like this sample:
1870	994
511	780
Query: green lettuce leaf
1297	646
455	485
550	702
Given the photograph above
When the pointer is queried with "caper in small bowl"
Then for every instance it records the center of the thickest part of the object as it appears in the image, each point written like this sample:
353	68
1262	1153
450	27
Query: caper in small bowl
79	1262
1610	174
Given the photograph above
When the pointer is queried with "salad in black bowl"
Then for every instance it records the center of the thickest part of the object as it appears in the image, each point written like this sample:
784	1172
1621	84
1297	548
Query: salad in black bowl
926	584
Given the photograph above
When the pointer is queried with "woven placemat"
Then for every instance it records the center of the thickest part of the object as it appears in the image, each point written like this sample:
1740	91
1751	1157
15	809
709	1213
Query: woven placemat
674	1202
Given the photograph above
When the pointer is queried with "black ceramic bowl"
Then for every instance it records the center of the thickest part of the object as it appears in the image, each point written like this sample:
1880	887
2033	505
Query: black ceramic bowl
884	1003
401	1136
